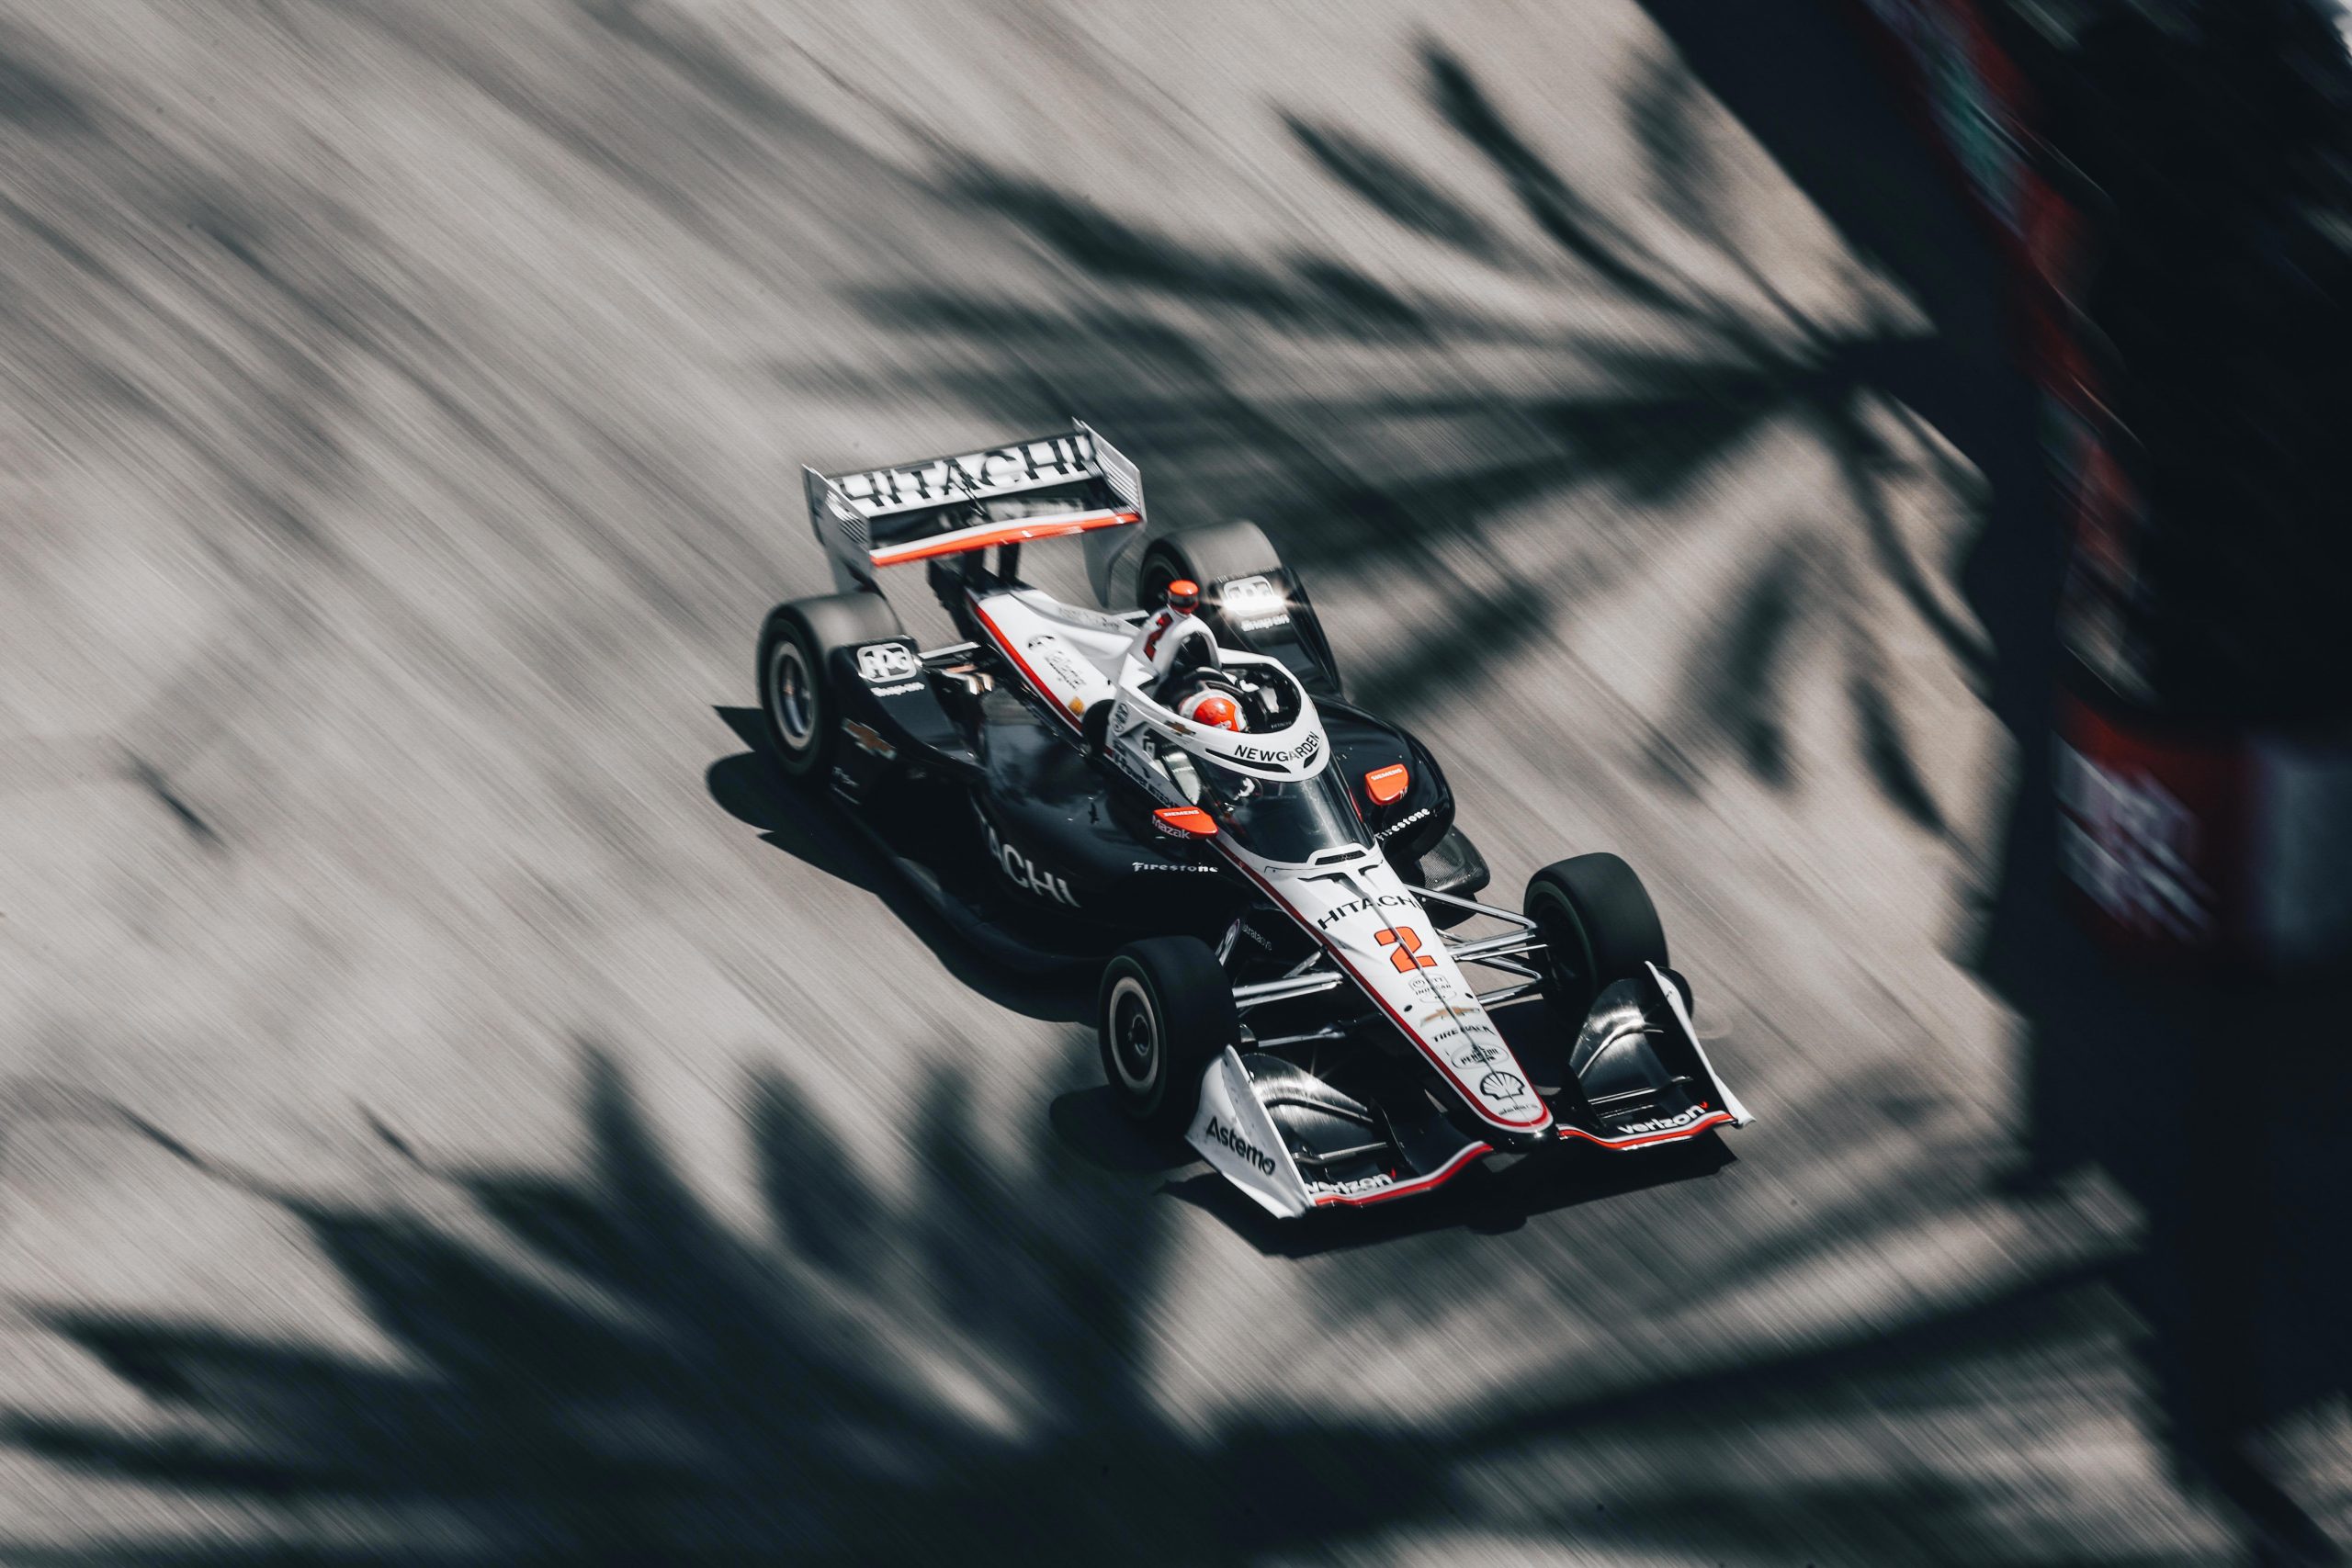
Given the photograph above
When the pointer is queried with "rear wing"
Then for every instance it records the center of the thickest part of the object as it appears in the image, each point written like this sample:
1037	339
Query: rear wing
1044	487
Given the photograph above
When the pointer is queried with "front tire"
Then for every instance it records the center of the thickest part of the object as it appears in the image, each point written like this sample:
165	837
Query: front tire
1165	1012
1598	927
796	645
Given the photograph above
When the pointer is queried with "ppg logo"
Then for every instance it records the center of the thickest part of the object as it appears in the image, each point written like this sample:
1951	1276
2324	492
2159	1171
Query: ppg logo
882	663
1249	596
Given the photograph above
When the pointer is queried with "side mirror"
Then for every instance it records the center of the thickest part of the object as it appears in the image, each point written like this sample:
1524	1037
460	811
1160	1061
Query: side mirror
1387	785
1185	820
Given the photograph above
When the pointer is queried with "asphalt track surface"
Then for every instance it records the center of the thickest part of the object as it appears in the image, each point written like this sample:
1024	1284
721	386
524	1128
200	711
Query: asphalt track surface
461	1107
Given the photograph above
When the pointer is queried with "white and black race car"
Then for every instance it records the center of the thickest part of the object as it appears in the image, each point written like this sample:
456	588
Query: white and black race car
1270	876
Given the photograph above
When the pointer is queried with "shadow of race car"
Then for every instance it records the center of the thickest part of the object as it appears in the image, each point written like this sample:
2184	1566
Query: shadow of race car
1269	877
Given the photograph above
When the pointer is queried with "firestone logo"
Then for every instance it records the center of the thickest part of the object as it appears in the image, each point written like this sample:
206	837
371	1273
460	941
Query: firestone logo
1221	1134
1397	827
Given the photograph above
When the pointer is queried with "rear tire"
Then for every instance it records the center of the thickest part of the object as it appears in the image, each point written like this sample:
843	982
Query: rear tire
1220	553
1214	554
796	699
1165	1012
1598	927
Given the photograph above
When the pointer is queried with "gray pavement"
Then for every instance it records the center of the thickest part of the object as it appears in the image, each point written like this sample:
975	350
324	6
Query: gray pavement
456	1106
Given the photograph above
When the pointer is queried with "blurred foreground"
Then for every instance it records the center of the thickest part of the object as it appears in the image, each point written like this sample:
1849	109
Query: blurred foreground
439	1128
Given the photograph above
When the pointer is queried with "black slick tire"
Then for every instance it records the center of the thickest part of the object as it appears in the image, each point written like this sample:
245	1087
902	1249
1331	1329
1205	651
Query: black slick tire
800	712
1598	927
1221	552
1164	1012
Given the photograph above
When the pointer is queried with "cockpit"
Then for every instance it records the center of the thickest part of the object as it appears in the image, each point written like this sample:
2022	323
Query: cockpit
1278	800
1290	820
1264	697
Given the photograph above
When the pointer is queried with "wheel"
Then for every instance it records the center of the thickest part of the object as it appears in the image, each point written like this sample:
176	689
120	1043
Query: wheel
796	649
1223	553
1214	554
1598	927
1165	1012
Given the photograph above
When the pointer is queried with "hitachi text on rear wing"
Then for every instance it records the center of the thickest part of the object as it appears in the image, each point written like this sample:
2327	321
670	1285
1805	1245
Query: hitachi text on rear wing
1048	487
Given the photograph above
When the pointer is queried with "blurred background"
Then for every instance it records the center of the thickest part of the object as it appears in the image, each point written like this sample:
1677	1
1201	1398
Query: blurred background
456	1106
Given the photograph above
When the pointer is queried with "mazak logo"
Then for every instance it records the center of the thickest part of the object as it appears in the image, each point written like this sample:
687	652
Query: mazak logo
1221	1134
1024	874
879	663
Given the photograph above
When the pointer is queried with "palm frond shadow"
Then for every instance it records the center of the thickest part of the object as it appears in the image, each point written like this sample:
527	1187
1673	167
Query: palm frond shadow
805	825
1166	340
596	1368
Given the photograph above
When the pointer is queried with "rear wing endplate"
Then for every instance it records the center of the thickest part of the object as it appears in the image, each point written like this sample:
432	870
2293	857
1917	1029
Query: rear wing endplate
910	511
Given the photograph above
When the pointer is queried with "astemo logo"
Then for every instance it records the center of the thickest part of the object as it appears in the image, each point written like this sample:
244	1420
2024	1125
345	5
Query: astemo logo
1221	1134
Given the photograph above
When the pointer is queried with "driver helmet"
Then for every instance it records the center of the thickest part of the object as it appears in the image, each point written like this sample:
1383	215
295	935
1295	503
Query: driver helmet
1213	710
1183	595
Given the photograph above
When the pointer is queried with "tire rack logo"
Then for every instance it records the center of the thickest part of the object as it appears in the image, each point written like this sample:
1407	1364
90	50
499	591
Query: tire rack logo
1024	872
1472	1043
879	663
1221	1134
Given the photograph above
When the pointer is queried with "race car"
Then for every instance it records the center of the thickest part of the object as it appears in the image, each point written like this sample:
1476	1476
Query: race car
1171	784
